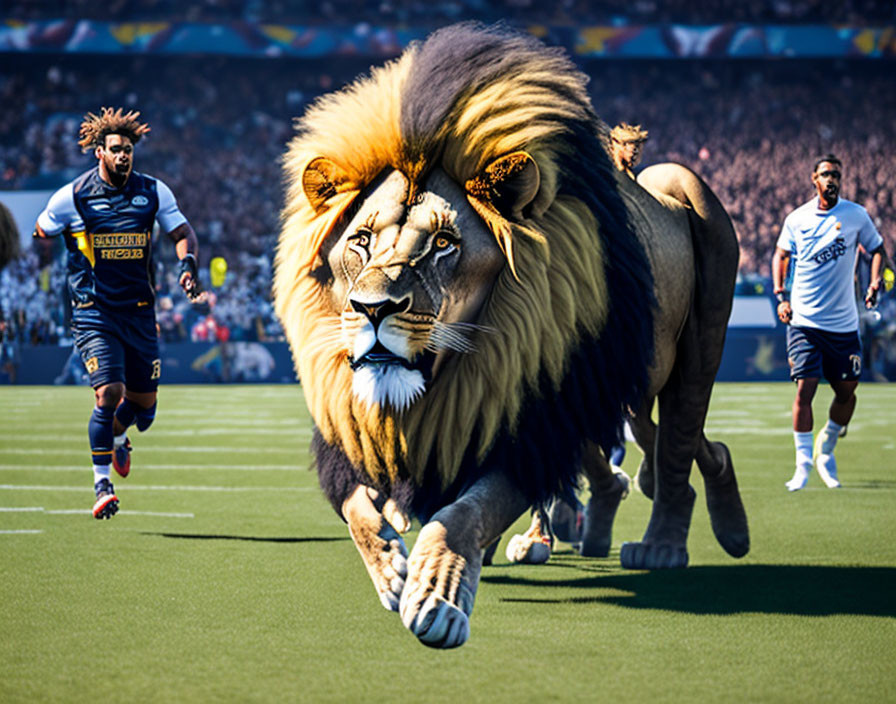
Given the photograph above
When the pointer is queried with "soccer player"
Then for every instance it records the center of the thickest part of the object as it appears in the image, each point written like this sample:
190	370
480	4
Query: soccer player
106	216
821	238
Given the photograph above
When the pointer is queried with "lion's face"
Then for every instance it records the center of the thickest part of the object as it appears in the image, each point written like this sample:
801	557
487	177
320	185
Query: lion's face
409	281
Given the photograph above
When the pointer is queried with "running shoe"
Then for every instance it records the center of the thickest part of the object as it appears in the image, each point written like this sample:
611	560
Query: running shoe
121	458
106	504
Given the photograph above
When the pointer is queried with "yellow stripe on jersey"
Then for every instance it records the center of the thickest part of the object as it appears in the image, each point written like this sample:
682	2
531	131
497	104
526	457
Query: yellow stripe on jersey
85	244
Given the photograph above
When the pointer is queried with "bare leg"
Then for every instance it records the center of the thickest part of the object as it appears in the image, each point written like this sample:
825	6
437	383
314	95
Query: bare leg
844	403
802	405
444	566
375	528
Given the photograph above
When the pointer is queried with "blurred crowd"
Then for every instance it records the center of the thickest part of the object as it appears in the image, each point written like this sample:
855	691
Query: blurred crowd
751	129
423	13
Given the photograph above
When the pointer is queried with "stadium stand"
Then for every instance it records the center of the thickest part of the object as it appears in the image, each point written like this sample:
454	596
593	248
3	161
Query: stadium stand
220	125
417	12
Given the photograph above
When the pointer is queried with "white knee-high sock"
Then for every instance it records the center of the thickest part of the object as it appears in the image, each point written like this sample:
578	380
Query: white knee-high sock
803	444
829	435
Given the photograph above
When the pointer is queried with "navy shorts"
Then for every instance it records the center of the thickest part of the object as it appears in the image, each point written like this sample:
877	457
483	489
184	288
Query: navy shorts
119	347
813	353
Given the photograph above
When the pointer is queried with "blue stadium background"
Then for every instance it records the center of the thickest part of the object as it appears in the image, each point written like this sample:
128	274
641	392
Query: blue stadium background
746	94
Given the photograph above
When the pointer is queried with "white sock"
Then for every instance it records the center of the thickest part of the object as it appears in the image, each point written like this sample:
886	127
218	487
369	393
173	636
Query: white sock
119	440
829	435
100	471
803	443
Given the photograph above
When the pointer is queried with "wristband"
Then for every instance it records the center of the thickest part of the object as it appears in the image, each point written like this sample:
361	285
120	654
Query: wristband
188	266
782	296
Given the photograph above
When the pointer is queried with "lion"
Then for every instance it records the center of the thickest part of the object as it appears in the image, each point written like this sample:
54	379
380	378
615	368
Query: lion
474	298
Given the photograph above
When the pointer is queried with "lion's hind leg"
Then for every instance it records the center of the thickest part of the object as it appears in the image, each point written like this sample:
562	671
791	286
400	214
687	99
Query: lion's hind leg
726	510
375	527
444	566
682	409
608	489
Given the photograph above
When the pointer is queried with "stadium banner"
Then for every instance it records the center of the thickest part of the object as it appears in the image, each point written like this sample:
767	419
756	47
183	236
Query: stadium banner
245	38
182	363
750	354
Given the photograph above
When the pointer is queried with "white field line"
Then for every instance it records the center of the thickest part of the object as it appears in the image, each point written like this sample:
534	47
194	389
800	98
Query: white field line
167	450
16	509
156	487
227	431
20	532
122	512
147	467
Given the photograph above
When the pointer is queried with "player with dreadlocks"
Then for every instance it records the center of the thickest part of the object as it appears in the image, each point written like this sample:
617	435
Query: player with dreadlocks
106	217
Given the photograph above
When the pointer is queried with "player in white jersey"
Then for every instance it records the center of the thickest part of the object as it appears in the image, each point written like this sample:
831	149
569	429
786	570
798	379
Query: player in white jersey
819	241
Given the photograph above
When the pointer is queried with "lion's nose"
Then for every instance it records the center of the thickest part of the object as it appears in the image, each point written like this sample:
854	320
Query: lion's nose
377	312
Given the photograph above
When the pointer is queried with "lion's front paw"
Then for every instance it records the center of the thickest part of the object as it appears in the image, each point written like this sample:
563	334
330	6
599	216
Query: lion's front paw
381	547
438	596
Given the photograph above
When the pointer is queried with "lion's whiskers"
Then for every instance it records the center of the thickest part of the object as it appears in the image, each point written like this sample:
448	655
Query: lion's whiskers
454	336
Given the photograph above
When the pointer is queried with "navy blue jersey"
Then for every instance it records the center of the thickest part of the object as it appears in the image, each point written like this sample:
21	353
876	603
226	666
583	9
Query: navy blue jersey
108	234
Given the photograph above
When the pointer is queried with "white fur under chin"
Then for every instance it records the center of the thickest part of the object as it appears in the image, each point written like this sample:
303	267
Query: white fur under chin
391	384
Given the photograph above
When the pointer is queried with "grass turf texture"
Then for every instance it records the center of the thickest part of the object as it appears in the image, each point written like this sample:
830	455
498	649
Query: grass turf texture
226	576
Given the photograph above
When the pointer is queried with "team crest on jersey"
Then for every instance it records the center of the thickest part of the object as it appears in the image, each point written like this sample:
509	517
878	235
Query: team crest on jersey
139	201
92	365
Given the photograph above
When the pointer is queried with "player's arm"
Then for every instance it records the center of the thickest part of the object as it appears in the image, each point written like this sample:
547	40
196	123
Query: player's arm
877	259
780	262
185	241
186	245
59	215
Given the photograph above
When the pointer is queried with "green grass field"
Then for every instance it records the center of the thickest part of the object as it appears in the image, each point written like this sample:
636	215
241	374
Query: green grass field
227	577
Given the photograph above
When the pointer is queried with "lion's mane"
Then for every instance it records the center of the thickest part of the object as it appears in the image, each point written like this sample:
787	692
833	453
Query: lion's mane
570	317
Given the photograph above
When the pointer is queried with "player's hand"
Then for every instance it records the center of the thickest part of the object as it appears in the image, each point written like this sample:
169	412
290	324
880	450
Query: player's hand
192	288
871	294
785	313
189	280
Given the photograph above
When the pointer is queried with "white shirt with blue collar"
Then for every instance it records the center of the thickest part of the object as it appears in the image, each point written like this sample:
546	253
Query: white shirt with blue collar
822	246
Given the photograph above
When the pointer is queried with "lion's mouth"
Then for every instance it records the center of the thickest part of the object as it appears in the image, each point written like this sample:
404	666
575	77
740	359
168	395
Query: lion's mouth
379	356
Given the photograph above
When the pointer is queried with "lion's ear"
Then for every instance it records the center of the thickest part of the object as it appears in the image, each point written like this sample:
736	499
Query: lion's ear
321	181
509	184
503	190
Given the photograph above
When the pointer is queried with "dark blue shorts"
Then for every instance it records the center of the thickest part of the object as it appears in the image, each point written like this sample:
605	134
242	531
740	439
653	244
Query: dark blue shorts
813	353
119	347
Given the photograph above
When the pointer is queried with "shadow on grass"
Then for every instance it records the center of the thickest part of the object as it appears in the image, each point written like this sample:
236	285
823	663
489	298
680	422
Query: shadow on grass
768	589
253	538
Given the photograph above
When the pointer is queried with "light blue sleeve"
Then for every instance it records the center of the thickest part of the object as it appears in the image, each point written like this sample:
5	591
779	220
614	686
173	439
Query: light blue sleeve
60	213
785	239
168	215
869	237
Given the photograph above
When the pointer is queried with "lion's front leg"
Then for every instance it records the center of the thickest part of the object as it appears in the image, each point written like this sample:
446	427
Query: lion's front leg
376	535
444	566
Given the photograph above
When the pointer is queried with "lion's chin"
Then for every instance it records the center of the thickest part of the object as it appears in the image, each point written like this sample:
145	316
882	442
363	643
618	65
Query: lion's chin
392	385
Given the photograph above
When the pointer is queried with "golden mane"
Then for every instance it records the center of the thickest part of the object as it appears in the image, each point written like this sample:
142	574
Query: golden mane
536	315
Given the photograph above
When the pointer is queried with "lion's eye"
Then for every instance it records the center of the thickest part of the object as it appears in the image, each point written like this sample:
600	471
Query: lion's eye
444	240
361	238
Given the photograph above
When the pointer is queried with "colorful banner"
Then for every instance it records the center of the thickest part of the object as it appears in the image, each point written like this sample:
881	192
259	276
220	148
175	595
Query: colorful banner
625	41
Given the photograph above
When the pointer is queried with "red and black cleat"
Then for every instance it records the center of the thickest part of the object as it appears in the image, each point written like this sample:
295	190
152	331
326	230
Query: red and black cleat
121	458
